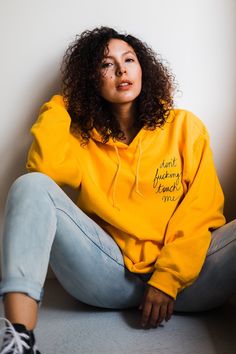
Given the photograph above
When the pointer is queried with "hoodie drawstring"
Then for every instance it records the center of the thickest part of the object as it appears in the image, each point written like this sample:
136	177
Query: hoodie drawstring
116	177
118	170
137	169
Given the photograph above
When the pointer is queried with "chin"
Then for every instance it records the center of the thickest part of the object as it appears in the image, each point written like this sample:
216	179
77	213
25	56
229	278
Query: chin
127	99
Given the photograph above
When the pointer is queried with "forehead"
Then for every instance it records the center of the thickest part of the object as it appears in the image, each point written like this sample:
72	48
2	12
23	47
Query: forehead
118	47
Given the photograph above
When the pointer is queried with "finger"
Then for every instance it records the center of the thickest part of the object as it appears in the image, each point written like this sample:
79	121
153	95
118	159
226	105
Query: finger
162	313
155	316
170	310
143	300
146	313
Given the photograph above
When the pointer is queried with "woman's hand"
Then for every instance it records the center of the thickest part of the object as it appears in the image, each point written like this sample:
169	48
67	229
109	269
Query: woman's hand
156	306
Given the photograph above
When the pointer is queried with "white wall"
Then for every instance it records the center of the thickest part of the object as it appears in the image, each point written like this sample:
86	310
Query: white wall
197	37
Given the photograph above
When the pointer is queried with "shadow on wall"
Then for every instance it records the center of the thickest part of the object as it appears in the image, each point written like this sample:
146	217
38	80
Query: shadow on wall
17	152
18	156
18	146
229	188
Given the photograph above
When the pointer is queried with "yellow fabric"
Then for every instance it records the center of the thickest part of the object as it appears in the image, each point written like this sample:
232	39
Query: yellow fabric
158	197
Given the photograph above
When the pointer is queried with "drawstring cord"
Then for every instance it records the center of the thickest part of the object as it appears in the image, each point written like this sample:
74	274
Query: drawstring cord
116	177
118	170
137	169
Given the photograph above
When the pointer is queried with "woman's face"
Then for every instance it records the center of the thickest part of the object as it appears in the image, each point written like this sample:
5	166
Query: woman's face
121	73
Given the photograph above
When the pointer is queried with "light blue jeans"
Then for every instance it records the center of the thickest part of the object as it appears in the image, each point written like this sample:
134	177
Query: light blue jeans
43	225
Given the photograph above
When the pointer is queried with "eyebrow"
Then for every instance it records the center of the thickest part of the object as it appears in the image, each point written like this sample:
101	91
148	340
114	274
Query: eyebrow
128	52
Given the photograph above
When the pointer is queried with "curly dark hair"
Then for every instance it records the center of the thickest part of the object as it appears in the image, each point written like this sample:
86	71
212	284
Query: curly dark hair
81	80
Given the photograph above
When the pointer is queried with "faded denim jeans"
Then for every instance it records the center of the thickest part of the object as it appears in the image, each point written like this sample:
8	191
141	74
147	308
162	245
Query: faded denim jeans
43	225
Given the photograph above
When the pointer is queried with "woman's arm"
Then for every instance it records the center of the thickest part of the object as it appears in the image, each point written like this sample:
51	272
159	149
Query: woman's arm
187	237
188	234
53	150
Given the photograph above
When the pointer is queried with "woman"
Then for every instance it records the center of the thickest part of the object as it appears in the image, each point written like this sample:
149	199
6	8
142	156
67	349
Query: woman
148	228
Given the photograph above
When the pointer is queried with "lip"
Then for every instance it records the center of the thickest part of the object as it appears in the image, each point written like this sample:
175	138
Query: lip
124	87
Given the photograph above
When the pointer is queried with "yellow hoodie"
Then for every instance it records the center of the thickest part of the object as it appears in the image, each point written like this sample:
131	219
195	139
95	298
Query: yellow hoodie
158	197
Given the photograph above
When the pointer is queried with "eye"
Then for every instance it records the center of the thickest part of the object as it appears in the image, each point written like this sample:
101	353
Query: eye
129	60
106	65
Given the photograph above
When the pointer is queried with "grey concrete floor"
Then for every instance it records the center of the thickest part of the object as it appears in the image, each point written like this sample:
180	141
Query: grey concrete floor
68	326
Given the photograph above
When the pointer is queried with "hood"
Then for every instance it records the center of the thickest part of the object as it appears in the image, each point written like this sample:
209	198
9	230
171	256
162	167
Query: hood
141	141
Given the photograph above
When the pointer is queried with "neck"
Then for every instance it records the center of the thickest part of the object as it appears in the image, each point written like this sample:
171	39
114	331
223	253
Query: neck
125	114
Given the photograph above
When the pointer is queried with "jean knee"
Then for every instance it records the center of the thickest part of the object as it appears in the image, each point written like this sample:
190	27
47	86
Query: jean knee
30	181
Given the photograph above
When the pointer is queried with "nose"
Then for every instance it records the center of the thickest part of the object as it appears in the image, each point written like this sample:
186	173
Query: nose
120	71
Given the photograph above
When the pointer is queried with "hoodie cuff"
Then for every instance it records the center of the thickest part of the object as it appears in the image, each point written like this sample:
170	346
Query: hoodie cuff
165	282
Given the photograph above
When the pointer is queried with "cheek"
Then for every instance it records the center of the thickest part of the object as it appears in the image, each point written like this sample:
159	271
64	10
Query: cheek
140	78
106	87
107	80
140	74
108	83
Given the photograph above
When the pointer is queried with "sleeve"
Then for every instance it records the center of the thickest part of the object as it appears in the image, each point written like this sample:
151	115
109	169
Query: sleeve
188	233
53	149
